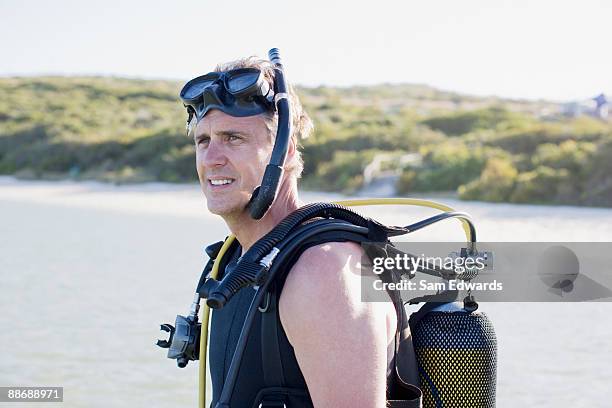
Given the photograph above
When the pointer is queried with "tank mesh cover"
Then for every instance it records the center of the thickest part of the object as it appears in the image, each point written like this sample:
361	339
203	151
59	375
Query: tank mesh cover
457	356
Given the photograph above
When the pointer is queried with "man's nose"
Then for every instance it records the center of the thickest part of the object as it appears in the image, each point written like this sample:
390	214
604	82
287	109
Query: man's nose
214	155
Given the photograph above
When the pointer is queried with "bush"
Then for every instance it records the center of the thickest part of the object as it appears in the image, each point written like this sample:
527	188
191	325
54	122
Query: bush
496	182
570	155
343	173
527	140
407	181
542	185
597	189
445	167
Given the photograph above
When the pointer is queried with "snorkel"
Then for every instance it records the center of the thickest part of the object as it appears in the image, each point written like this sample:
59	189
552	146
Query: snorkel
264	195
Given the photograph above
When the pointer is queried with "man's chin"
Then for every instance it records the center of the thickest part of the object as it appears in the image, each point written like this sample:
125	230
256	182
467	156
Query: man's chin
226	209
227	205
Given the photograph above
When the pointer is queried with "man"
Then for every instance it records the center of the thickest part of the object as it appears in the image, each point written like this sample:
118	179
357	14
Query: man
343	347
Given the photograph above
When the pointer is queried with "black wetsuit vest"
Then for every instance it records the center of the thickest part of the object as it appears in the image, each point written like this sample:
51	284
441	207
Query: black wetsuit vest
269	376
269	373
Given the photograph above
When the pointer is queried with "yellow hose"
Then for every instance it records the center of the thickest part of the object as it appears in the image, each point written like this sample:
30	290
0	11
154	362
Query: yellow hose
204	330
230	239
405	201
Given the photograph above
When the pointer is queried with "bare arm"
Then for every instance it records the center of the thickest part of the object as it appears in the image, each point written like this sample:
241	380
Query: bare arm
340	342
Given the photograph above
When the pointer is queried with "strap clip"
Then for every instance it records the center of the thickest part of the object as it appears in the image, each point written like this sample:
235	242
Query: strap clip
266	303
272	404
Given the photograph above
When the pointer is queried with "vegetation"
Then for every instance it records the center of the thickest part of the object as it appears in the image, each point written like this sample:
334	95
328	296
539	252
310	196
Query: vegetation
127	130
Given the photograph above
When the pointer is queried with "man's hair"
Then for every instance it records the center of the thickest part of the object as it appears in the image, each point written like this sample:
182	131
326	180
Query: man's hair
300	121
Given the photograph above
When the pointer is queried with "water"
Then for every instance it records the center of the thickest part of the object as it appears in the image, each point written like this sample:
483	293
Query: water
88	271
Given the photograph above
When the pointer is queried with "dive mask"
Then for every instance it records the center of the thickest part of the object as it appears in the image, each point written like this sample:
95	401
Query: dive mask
238	92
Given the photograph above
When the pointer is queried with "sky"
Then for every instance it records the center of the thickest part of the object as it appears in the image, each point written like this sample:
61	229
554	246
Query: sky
557	50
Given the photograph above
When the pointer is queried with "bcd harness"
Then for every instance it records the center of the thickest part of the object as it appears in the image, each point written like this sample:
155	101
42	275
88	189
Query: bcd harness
264	267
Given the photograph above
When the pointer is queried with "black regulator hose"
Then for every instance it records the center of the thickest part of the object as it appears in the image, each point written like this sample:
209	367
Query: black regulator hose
250	270
264	195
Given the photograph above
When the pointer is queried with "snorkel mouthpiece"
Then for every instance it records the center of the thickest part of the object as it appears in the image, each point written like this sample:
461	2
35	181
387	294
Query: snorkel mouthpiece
264	195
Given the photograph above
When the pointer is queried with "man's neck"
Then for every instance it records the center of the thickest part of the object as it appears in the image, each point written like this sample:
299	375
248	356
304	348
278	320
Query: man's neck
248	231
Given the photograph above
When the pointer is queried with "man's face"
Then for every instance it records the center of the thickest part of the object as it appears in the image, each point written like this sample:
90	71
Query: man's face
231	157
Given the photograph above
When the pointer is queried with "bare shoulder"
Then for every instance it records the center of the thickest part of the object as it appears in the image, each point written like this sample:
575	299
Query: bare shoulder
337	338
320	260
332	256
324	279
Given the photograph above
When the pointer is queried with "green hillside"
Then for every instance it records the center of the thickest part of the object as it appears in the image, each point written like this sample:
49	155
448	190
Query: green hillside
127	130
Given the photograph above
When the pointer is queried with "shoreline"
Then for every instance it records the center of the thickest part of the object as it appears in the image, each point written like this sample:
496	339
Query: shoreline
12	187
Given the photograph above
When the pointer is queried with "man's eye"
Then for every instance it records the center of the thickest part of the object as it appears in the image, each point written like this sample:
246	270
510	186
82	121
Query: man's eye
234	137
203	141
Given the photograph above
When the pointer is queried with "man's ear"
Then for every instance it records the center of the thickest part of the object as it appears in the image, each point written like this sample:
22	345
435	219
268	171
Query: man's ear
289	161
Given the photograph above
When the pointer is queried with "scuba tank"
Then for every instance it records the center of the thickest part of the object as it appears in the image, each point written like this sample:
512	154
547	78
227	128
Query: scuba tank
456	353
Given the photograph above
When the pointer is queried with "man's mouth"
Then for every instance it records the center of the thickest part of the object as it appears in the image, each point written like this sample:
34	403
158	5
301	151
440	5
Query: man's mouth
221	182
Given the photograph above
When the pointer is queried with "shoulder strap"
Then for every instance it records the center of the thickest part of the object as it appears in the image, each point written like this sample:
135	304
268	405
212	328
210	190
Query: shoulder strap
270	346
